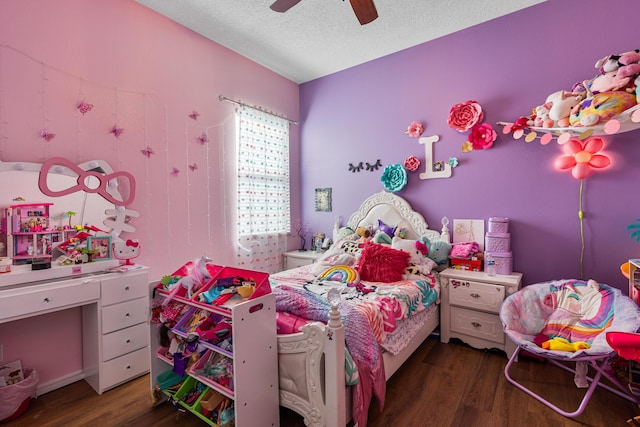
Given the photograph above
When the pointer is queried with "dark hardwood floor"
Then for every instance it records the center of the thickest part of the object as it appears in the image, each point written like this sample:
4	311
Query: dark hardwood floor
440	385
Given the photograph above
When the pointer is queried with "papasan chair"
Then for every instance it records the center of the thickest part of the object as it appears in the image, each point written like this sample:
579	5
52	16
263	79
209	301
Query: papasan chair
567	321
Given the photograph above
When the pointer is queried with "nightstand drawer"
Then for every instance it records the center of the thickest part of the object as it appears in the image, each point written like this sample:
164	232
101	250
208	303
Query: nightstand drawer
479	296
125	341
477	324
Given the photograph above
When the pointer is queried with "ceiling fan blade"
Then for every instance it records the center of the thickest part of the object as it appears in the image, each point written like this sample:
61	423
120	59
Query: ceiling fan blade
365	10
283	5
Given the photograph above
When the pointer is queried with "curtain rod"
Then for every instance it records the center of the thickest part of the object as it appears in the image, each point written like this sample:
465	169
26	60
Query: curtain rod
233	101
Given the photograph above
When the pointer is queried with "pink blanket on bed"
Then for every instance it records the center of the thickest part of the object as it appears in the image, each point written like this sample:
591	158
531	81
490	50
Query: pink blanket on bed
359	338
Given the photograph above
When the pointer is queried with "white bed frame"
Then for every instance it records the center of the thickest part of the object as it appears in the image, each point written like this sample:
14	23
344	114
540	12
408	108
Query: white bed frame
311	363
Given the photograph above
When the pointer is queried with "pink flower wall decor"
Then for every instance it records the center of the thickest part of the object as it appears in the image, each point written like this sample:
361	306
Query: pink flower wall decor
414	130
412	163
482	136
463	117
84	107
46	135
194	115
582	157
116	131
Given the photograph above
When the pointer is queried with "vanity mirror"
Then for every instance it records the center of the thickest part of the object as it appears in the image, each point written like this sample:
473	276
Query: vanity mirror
89	194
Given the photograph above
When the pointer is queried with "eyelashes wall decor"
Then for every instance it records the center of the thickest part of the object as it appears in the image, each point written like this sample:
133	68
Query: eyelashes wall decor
369	167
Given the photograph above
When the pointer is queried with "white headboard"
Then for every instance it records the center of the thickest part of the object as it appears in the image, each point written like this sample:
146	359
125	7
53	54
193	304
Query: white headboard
394	211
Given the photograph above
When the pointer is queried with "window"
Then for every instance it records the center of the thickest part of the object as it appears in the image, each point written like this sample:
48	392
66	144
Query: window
263	204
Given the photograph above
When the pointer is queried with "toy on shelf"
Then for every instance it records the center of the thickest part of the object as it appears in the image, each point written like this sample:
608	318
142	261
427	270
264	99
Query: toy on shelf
606	104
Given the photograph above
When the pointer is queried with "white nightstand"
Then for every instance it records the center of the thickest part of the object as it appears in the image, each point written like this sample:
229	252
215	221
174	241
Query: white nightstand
296	259
470	307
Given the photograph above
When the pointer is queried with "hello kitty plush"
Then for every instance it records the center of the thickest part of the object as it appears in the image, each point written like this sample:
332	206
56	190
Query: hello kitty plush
126	250
419	263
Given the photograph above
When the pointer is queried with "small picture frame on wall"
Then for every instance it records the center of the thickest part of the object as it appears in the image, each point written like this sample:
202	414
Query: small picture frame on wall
99	247
323	199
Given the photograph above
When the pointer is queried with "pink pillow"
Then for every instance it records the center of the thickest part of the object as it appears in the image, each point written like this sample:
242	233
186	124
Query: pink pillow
379	263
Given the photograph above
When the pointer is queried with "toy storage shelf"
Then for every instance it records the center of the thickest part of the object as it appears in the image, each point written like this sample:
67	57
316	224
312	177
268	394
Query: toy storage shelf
254	389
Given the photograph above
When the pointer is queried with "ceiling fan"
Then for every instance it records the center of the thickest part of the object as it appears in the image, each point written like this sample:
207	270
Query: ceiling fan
365	10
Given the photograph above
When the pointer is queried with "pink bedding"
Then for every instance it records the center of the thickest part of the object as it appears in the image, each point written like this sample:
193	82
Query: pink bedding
370	313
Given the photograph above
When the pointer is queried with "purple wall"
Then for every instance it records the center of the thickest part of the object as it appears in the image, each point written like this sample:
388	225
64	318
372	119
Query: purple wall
508	65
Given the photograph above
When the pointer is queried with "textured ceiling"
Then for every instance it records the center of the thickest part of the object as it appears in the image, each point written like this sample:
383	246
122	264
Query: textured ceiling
319	37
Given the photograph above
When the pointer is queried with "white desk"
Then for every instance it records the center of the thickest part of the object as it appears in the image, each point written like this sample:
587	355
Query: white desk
115	307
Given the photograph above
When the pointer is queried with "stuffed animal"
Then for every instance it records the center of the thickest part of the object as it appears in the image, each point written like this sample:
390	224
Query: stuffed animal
363	232
381	238
600	108
614	62
438	250
419	263
562	102
562	344
343	232
611	81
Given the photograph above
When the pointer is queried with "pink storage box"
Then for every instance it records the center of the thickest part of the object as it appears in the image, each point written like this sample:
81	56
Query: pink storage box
498	225
503	261
497	242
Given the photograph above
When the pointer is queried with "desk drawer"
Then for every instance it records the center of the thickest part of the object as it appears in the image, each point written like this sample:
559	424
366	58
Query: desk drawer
124	368
31	300
123	315
477	324
124	287
480	296
125	341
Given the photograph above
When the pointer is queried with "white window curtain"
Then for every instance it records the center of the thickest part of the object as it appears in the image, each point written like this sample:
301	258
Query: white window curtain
263	204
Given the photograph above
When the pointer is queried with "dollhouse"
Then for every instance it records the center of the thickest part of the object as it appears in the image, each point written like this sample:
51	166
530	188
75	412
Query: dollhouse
29	232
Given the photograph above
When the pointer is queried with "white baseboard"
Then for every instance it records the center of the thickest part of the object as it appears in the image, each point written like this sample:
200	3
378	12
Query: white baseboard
59	382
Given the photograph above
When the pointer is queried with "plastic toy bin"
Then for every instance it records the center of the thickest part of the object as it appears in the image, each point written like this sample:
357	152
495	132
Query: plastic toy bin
188	323
261	280
223	379
181	293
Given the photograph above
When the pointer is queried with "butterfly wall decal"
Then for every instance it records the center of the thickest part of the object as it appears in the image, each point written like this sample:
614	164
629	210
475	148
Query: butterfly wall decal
193	167
84	107
203	139
46	135
147	152
116	131
175	171
194	115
